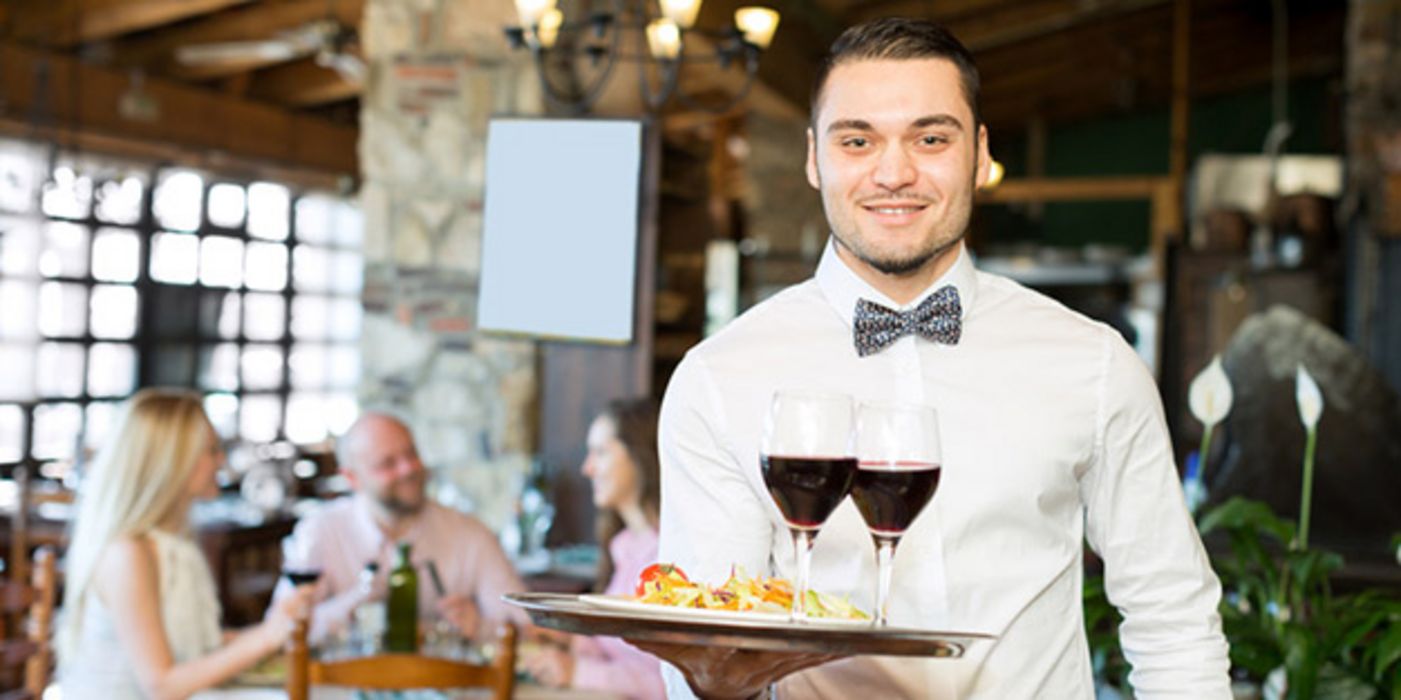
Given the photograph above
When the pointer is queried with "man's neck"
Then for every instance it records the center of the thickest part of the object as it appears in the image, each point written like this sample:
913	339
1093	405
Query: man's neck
392	523
901	289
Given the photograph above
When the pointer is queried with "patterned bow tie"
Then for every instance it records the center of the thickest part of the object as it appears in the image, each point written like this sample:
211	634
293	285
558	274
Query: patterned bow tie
937	318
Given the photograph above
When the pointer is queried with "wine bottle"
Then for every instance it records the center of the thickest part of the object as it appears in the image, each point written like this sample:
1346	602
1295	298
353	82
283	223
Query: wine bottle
401	630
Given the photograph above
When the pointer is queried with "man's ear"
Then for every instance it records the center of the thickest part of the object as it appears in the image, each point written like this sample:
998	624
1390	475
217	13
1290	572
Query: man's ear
811	167
984	156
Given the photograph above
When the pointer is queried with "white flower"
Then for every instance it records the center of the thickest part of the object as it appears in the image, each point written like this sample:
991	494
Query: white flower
1309	398
1210	394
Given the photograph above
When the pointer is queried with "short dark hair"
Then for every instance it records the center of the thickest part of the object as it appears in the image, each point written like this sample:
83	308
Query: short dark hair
899	38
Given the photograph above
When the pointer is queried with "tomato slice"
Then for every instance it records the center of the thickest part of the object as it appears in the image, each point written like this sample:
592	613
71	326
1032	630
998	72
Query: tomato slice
656	572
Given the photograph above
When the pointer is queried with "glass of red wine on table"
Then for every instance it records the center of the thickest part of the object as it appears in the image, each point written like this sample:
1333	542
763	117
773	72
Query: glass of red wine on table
297	565
898	469
808	465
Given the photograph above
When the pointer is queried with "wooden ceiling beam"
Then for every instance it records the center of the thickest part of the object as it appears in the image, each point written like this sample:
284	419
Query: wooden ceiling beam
80	99
301	83
155	51
65	23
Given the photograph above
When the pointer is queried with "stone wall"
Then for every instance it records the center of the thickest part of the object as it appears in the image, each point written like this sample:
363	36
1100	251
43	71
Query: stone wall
471	399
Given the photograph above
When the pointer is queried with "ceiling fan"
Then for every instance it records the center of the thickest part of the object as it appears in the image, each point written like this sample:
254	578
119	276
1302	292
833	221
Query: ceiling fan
327	39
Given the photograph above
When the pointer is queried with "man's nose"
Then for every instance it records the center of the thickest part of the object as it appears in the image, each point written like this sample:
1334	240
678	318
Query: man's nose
895	168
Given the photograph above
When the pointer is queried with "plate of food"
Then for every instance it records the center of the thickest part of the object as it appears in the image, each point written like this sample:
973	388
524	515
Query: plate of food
743	612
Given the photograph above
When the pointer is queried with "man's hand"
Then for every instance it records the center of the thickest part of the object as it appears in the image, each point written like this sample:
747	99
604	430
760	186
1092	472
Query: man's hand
462	613
720	673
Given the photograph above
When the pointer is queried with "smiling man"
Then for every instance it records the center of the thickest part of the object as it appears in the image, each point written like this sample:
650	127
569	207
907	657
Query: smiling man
1052	430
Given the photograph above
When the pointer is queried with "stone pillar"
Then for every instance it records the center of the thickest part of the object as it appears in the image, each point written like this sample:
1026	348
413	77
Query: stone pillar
471	399
1372	202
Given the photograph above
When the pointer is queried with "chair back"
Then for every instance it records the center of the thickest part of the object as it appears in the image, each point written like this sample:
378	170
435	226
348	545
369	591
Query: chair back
400	671
29	649
22	539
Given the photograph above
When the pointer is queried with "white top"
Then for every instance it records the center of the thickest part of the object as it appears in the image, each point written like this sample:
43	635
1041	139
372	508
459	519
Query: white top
1052	433
190	613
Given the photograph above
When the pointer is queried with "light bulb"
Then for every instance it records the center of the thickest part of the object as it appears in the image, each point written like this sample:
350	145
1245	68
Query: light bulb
757	24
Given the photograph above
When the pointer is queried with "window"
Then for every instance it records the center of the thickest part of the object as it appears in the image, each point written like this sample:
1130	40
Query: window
115	277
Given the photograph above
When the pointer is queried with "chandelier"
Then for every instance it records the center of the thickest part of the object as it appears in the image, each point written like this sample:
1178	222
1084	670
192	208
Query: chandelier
586	50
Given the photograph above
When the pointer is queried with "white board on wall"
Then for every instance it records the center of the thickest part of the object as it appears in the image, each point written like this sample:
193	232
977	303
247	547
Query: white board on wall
560	225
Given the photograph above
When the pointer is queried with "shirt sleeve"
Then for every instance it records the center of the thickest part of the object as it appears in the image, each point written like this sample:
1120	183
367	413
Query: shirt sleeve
333	610
1156	571
711	516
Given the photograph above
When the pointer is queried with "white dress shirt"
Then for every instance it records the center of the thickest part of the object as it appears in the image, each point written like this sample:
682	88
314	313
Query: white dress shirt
1052	434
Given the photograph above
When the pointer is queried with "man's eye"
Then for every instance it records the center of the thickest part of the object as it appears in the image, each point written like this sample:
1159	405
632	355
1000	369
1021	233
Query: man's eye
855	142
933	140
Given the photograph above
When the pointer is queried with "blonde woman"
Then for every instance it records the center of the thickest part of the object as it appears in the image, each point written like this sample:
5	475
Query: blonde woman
140	613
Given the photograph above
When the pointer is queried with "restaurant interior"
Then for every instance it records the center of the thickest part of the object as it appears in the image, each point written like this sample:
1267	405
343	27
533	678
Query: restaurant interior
296	209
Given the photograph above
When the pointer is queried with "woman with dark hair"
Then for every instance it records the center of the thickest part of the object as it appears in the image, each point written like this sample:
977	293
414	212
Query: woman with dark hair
622	466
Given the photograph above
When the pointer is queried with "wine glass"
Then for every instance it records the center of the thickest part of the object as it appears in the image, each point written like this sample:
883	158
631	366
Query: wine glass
899	462
297	564
808	466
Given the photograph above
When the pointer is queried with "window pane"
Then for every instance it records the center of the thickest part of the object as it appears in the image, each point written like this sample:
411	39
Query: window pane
68	194
349	272
116	255
226	202
21	168
19	307
259	417
306	418
60	370
114	311
56	429
350	225
19	246
174	365
345	319
65	252
221	261
11	429
218	367
176	203
341	410
111	369
101	419
262	367
311	269
222	410
315	213
265	317
267	266
345	366
119	201
219	315
63	309
308	365
16	372
309	317
175	258
268	209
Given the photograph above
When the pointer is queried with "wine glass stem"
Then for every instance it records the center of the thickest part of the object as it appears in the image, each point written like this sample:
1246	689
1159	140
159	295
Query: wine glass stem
802	545
885	562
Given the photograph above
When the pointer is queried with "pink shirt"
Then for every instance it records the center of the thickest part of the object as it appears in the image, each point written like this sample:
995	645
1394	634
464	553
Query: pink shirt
609	663
342	536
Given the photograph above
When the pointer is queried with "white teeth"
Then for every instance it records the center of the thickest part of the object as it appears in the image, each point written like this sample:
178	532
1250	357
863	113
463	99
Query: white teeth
894	210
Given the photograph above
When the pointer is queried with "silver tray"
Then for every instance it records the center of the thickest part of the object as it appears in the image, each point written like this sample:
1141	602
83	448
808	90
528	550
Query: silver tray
569	614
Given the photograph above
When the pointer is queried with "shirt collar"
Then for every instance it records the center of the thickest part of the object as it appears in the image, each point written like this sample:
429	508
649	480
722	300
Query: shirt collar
843	287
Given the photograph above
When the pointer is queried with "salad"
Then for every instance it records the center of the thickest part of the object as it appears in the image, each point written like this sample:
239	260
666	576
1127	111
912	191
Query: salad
667	584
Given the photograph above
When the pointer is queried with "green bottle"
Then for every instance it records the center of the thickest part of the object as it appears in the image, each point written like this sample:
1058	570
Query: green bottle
401	628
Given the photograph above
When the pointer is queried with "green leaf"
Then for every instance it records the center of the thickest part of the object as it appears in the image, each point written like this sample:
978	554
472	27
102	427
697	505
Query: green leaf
1242	513
1389	649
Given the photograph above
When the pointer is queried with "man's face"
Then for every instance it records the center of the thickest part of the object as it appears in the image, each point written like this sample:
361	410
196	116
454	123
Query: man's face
895	154
384	465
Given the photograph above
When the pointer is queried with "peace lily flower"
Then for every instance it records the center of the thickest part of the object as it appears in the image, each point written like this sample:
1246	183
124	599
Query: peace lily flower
1310	402
1209	397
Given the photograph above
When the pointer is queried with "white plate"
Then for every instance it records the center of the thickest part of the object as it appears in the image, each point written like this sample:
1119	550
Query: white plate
629	605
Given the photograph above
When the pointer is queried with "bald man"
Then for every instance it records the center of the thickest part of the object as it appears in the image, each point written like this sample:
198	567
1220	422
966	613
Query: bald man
390	505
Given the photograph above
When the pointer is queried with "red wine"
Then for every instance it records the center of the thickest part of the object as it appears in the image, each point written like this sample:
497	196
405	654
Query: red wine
302	577
890	495
808	489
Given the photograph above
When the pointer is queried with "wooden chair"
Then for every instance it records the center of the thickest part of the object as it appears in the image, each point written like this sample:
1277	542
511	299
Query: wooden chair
30	649
400	671
21	530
